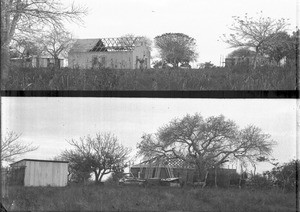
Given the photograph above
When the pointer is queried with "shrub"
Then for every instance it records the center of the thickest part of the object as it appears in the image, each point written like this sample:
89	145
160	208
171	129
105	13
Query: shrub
259	182
216	78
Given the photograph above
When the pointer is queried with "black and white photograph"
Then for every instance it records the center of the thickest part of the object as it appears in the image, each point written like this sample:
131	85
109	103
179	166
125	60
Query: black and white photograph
150	105
142	45
149	154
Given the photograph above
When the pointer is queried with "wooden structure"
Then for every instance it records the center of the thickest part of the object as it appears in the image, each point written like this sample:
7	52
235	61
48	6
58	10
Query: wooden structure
116	53
30	172
177	168
164	168
35	61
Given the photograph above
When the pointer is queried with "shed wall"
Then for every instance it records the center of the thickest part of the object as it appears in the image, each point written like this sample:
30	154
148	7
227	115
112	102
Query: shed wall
46	173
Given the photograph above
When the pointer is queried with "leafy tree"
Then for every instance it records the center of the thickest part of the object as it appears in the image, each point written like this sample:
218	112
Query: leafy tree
30	16
242	52
206	143
11	147
285	175
175	48
100	155
279	45
254	33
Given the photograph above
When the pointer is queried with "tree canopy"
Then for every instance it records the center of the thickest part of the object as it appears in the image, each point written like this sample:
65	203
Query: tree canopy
254	32
242	52
100	155
206	143
175	48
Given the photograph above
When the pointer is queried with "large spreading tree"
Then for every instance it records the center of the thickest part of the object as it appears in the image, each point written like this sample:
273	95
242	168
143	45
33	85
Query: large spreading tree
206	143
100	155
28	17
175	48
254	33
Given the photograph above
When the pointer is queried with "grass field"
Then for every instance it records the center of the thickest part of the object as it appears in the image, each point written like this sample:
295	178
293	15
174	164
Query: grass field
237	78
115	198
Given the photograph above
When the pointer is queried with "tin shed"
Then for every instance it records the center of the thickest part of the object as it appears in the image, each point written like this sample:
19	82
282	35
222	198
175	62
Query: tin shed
30	172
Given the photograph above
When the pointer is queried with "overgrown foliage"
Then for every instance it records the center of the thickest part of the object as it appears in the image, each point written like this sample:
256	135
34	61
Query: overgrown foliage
112	198
285	175
235	78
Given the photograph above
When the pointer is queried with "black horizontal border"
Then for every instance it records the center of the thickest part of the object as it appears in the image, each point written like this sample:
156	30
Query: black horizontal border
287	94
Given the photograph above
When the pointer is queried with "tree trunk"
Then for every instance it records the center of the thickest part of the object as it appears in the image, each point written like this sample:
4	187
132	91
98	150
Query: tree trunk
97	176
56	62
5	62
216	183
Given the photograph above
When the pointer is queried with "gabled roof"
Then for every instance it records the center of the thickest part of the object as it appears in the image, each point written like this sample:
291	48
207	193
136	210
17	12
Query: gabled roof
105	44
84	45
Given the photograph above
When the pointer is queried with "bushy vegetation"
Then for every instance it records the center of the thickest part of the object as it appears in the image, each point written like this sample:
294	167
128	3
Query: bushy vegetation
114	198
235	78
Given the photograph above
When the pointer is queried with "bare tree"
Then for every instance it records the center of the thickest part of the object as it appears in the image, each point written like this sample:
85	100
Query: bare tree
253	33
100	155
11	147
30	16
206	143
56	41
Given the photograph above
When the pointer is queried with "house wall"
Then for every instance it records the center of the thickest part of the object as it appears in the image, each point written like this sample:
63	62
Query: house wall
113	59
45	173
141	52
87	60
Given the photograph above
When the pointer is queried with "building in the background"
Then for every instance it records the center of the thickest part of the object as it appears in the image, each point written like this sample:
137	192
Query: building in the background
115	53
177	168
35	61
30	172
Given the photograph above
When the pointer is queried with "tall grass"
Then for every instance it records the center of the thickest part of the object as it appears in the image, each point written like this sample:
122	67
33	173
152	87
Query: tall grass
114	198
237	78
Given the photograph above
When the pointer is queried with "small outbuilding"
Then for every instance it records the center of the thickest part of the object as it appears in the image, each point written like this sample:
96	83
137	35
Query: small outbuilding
115	53
31	172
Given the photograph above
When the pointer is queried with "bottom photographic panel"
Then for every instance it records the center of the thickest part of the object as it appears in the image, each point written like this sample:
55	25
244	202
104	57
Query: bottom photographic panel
111	154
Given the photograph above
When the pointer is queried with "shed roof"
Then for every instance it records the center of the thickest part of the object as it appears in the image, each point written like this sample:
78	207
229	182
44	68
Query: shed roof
105	44
36	160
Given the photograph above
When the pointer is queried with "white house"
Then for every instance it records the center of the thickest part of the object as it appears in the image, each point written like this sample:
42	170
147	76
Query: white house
116	53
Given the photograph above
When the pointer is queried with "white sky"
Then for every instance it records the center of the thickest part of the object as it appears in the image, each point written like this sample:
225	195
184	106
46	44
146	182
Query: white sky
48	122
204	20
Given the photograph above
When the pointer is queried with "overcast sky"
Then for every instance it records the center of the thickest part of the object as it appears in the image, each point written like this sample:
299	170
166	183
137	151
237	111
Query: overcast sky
204	20
48	122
